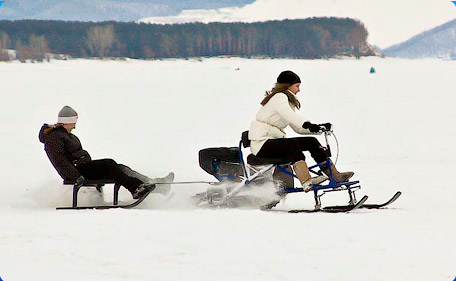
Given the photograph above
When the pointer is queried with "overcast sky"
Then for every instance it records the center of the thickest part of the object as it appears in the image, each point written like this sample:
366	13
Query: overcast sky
388	21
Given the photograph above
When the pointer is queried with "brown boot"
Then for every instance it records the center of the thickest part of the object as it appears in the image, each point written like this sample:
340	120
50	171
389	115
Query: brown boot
302	172
338	176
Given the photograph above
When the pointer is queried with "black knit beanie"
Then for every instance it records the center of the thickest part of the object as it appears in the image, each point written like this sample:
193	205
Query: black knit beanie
288	77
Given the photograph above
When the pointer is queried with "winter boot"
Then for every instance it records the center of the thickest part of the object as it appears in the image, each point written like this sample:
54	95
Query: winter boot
338	176
302	172
142	190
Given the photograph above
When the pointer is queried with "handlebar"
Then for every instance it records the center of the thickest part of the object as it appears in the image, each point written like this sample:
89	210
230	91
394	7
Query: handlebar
326	127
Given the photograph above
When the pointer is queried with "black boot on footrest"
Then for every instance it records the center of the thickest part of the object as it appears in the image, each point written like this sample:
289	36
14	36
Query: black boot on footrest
142	190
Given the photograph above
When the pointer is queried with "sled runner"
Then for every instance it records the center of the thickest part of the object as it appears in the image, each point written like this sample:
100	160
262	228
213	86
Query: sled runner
341	209
237	173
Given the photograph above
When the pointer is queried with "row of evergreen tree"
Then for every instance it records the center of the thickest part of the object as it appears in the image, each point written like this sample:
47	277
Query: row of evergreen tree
307	38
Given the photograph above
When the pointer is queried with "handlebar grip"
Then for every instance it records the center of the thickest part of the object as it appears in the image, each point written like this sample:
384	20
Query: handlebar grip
326	127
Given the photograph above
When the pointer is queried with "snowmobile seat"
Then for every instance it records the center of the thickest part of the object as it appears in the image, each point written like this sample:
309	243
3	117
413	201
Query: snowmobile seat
98	184
257	161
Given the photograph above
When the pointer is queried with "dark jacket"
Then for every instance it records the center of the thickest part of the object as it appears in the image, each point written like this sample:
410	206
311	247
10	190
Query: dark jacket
64	150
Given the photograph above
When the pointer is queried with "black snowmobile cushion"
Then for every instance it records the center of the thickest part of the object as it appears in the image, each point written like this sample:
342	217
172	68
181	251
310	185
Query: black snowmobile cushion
208	156
254	160
245	139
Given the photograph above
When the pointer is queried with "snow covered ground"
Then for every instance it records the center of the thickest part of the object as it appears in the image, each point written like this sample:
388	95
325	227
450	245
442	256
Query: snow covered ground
395	128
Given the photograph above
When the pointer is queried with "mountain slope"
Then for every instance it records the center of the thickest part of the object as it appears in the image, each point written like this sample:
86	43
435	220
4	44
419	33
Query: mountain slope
99	10
439	42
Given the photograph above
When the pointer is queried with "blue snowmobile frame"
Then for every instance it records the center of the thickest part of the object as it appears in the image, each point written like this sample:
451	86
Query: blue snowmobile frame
350	186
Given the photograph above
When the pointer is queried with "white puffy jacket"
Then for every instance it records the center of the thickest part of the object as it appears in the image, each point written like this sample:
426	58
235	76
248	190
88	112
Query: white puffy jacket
272	119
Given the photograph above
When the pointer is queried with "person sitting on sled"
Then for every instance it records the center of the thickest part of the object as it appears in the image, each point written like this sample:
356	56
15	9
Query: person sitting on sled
75	165
268	138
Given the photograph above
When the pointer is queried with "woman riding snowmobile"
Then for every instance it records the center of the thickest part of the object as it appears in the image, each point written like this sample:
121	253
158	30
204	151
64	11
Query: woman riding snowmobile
268	138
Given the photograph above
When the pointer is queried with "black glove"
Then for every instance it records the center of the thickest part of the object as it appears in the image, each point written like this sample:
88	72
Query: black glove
327	126
314	128
81	181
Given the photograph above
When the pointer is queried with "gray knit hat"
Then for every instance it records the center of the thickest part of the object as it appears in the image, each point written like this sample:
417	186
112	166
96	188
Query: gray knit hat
67	115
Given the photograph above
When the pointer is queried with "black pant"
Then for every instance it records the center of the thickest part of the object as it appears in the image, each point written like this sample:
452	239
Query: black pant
108	169
290	149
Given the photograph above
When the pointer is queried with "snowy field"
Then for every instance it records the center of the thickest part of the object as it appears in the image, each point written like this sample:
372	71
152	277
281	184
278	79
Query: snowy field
396	130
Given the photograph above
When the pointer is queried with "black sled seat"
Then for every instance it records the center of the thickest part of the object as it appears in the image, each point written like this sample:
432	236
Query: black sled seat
98	184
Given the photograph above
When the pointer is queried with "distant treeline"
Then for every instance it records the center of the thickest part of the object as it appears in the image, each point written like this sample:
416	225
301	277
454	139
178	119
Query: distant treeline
307	38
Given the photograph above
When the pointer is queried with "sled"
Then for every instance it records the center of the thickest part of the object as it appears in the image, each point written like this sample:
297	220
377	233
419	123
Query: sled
230	165
99	184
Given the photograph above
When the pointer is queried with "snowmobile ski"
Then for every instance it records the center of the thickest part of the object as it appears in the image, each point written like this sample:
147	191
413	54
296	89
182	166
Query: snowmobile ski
104	207
333	209
379	206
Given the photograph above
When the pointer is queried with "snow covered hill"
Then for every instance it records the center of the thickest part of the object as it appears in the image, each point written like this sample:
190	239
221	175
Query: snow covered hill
101	10
439	42
388	22
395	130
